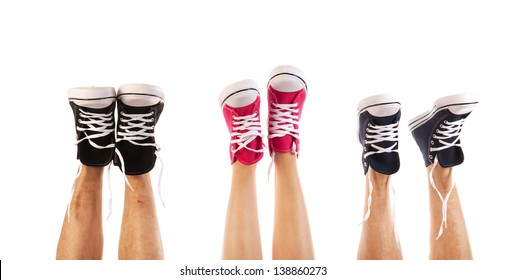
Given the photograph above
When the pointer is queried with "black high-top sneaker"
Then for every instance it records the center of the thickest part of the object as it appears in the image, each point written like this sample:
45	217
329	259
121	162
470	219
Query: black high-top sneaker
437	131
139	108
378	129
93	109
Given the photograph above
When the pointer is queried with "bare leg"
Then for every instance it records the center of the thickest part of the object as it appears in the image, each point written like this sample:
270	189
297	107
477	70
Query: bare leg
378	240
140	233
242	230
292	235
454	243
82	237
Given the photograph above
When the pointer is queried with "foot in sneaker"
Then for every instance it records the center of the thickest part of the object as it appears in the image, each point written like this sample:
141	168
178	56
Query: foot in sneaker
93	109
240	103
286	94
437	131
139	108
378	130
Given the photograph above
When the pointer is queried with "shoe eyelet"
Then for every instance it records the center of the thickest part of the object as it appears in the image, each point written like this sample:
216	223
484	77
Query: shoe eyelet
151	113
152	120
365	149
433	135
365	164
79	121
432	142
441	125
430	156
367	130
369	125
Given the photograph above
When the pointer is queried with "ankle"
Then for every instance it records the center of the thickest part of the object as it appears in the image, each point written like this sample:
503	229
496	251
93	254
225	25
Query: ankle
379	179
90	179
442	177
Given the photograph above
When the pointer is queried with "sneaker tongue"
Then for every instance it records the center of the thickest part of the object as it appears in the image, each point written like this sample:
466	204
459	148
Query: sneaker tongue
451	157
248	157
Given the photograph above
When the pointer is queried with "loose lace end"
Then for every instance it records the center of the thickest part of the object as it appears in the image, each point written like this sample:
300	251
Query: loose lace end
444	201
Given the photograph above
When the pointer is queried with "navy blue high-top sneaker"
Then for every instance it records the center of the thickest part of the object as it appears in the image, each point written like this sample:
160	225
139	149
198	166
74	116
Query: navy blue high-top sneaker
93	109
139	108
378	130
437	131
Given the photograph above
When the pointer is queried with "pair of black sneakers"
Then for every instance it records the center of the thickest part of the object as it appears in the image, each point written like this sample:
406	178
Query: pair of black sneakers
130	142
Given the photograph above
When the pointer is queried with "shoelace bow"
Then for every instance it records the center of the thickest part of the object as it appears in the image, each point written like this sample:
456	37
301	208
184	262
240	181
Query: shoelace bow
244	130
282	121
136	129
98	123
448	130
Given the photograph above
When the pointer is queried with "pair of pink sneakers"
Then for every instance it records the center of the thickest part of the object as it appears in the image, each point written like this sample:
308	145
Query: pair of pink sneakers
240	102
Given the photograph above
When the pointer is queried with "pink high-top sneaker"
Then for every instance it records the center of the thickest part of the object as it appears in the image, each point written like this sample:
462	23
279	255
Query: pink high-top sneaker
240	103
286	93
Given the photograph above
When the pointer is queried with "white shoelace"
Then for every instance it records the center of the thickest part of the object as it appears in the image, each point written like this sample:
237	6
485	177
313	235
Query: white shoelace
447	131
284	119
141	132
250	124
444	201
382	133
96	122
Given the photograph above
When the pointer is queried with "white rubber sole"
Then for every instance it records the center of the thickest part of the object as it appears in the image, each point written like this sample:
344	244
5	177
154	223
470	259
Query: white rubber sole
140	95
288	70
92	97
458	104
390	105
235	88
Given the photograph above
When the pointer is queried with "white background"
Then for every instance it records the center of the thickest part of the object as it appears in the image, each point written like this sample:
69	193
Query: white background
192	49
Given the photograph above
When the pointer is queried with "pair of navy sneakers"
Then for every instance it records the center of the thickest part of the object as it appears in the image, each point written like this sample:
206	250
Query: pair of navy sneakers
436	132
